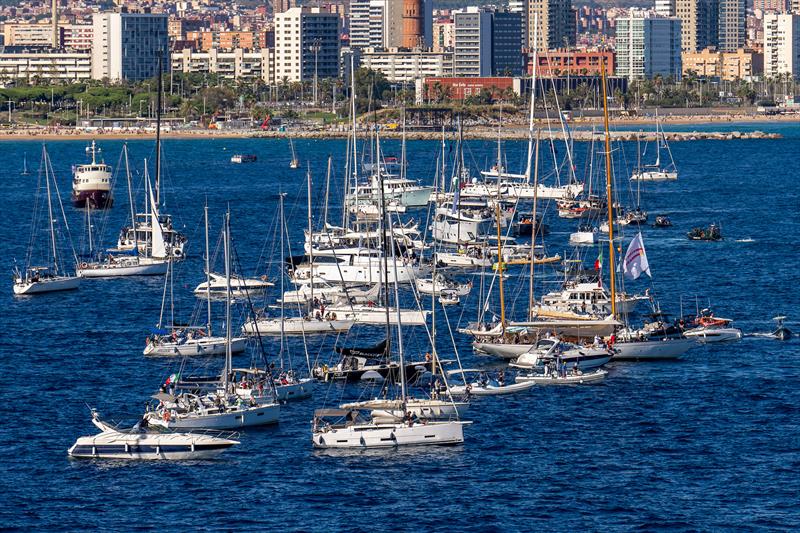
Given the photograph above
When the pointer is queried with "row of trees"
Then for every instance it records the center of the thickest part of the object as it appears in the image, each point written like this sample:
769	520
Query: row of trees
199	96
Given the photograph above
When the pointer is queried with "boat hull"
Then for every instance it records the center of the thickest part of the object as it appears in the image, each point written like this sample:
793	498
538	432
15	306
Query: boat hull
65	283
296	326
714	335
653	349
202	346
259	415
569	379
294	391
491	390
376	316
96	199
390	435
106	271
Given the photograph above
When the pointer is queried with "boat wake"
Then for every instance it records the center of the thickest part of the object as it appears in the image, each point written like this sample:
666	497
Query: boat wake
748	239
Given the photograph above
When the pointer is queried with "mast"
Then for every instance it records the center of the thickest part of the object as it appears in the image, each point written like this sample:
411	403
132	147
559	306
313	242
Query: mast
228	351
533	100
385	252
500	268
355	140
327	190
610	198
158	136
283	297
310	238
208	273
534	224
130	198
50	210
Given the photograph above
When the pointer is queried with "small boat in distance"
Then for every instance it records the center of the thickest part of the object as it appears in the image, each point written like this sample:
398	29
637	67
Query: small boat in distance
782	333
25	171
91	183
662	221
713	233
295	163
243	158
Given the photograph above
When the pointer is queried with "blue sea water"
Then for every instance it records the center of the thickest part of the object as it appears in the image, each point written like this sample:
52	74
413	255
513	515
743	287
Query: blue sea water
708	442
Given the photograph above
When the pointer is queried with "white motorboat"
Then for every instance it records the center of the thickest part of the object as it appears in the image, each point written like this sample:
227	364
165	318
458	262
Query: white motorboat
91	183
470	259
634	349
712	334
582	298
243	158
476	382
462	224
443	284
142	444
331	323
574	356
571	378
186	345
449	298
359	266
241	287
37	279
343	428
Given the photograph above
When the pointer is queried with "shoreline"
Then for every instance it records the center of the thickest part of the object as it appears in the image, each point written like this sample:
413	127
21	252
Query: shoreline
515	130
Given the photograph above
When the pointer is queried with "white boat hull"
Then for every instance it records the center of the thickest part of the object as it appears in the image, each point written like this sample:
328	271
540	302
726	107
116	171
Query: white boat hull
652	349
654	176
294	391
377	315
583	237
390	435
148	446
201	346
259	415
64	283
491	390
712	335
569	379
105	270
297	326
463	261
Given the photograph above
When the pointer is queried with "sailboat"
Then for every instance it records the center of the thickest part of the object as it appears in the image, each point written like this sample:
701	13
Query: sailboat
50	275
223	408
185	340
390	424
294	164
657	172
313	323
118	263
25	171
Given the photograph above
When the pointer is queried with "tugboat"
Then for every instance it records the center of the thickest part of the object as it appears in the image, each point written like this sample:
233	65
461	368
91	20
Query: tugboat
713	233
91	184
662	221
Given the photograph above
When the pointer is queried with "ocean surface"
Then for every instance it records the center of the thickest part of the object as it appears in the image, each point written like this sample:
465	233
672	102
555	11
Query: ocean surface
710	442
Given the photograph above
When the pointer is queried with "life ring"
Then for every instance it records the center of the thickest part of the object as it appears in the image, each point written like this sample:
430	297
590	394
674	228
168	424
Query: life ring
166	415
84	265
177	253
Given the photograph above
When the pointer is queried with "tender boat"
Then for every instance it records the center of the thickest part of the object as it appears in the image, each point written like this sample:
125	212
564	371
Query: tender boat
216	287
782	333
570	378
243	158
482	384
662	221
713	233
709	329
449	298
142	443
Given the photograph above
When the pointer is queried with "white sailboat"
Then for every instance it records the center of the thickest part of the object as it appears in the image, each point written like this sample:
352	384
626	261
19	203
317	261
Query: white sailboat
50	275
190	341
657	172
222	409
294	164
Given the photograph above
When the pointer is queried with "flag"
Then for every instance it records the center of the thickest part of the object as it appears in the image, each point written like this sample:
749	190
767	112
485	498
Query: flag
173	378
635	262
598	263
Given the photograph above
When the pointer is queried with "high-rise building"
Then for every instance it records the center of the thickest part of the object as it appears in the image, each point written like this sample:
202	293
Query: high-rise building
521	6
732	19
472	47
781	45
555	22
306	41
699	23
507	42
665	8
391	23
648	46
771	6
128	46
359	23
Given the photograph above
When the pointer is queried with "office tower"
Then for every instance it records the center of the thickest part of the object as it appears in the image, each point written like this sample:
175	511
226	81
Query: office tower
127	46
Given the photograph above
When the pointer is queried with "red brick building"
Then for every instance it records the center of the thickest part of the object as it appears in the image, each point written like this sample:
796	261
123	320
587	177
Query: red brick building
576	62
